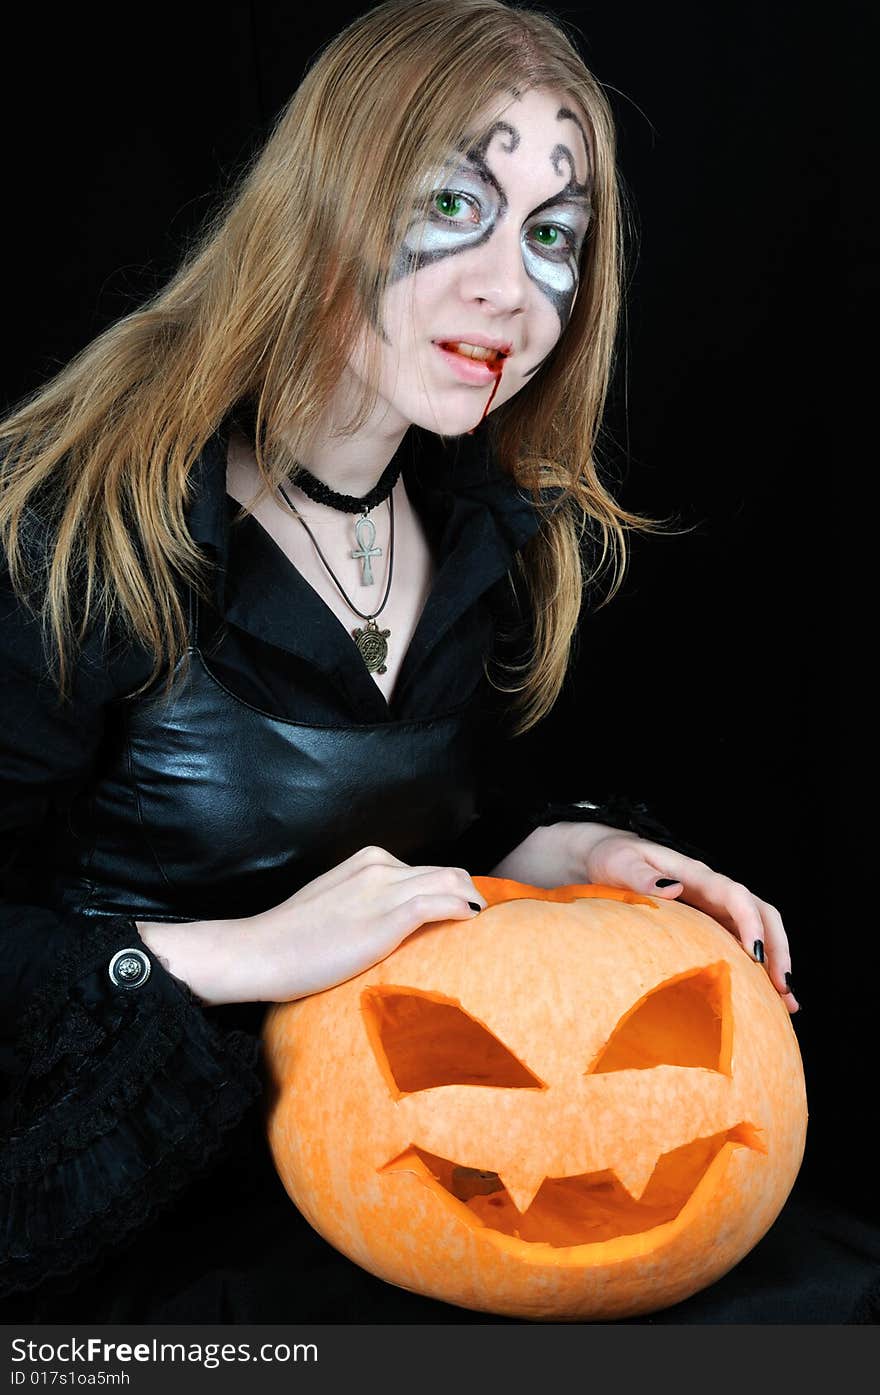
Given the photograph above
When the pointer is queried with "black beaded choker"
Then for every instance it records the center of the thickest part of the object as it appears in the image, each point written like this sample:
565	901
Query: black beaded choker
350	503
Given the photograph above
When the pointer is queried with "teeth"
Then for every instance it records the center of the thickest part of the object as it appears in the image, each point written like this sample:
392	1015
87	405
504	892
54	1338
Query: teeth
473	351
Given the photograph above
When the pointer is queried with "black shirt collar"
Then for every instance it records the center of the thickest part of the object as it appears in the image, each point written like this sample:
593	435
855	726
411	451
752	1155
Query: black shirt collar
476	516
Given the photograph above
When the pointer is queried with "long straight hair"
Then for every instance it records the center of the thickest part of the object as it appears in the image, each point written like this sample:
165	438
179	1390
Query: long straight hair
96	465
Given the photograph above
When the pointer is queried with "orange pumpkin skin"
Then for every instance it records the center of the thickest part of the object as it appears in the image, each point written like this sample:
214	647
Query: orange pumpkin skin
583	1104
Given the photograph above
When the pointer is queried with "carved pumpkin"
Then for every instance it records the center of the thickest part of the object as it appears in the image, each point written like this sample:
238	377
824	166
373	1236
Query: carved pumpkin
582	1104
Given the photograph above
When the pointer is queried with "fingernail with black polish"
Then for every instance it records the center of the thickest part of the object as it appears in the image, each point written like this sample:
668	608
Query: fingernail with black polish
758	950
666	881
475	906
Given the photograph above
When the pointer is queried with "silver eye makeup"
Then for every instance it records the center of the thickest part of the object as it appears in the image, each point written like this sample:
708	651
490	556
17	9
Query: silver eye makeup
455	207
461	203
449	218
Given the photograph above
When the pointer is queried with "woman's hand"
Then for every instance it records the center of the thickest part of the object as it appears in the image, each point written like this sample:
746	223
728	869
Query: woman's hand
331	929
625	860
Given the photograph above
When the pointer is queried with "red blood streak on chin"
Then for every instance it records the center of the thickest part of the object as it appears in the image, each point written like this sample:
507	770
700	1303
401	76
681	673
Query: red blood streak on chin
500	370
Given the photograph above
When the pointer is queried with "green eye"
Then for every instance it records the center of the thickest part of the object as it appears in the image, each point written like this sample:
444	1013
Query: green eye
552	233
448	203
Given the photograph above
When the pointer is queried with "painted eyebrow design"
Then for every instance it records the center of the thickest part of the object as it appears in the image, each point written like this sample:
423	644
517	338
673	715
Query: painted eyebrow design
566	114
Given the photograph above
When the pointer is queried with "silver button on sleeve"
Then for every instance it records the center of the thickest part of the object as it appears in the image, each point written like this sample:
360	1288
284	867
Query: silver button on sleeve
129	968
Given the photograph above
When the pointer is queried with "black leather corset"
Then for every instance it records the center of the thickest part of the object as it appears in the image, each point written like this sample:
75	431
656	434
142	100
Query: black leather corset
208	808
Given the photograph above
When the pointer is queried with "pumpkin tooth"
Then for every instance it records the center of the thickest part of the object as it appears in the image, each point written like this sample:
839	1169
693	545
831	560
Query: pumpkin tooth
523	1191
634	1172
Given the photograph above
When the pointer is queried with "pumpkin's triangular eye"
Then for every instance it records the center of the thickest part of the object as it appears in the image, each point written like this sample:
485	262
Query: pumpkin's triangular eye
422	1040
684	1022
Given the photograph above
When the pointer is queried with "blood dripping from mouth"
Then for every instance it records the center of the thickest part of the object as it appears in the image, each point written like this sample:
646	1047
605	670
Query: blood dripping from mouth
497	371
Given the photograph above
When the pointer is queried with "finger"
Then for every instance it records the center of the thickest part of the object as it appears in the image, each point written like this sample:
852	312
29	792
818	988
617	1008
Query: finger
444	880
778	954
661	881
424	908
744	917
638	873
673	871
666	886
728	902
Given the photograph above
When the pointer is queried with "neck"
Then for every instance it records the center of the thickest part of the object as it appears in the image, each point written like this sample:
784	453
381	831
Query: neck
347	466
354	463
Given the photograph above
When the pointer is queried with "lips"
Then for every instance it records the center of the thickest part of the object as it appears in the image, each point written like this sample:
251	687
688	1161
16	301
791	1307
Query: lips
466	365
484	353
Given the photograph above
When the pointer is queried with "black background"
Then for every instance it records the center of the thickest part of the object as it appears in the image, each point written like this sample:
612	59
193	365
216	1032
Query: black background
709	686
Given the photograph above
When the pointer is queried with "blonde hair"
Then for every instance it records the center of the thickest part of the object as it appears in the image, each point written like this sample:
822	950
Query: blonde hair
100	457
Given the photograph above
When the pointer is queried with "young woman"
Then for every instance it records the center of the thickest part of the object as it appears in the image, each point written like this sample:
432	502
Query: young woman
285	550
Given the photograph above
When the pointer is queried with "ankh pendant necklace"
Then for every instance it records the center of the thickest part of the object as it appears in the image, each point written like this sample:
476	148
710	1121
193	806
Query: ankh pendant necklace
372	643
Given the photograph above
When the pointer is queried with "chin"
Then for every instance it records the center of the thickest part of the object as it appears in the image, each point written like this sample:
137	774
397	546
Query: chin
454	419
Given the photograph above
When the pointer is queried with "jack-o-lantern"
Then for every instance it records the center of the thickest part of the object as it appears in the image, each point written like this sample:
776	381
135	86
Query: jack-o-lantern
583	1104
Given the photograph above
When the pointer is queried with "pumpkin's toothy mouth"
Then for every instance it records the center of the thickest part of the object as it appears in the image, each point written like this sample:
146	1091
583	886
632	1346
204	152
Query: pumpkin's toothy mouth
579	1210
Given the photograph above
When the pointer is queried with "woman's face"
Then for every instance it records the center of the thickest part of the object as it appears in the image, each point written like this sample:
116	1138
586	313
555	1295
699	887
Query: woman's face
494	262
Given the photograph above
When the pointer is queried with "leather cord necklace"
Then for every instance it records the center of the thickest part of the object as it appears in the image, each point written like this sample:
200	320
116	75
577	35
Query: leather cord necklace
372	642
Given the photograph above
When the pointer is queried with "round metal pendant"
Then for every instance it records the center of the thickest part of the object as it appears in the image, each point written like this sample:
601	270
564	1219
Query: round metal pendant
372	643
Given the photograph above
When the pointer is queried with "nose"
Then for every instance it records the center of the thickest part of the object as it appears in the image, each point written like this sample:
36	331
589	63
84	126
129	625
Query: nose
494	272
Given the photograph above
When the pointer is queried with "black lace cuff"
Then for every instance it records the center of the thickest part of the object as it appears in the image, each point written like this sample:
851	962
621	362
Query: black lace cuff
126	1095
